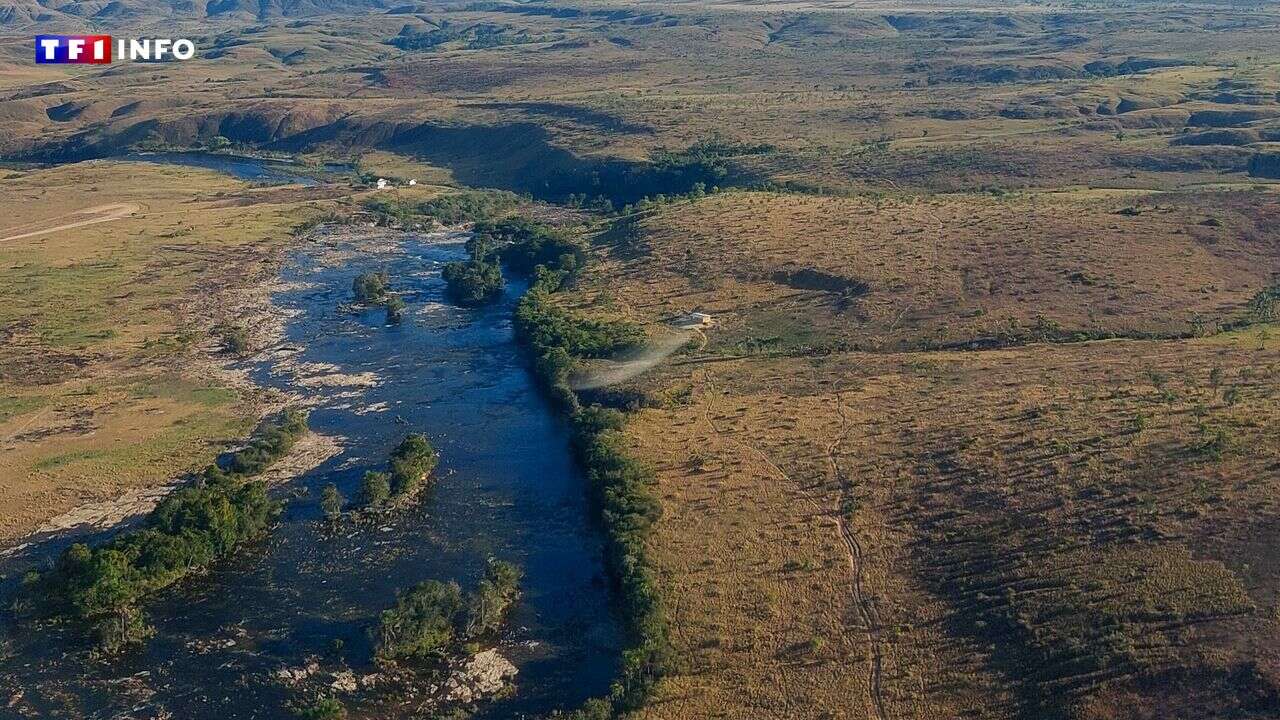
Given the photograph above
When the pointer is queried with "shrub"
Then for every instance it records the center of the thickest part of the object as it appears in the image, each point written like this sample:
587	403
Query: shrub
375	488
422	624
593	709
474	282
235	340
488	605
324	708
395	308
370	287
411	462
1213	443
126	628
331	501
1231	395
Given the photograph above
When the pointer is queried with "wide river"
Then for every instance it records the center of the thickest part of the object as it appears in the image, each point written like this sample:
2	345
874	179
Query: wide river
506	488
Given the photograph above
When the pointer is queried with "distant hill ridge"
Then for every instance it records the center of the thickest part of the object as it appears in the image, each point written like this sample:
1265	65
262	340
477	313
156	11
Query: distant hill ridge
71	14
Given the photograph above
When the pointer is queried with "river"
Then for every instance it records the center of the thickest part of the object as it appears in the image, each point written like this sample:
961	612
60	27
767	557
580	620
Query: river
507	487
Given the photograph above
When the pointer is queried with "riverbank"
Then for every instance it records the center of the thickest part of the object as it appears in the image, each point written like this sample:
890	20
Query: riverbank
307	592
114	375
242	300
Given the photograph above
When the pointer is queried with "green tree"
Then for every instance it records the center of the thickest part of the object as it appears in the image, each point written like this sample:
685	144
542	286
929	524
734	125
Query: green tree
474	282
331	501
422	624
487	606
370	287
375	488
324	708
411	462
395	308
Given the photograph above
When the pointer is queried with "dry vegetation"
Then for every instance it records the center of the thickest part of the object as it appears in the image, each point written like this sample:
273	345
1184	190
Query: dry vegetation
1053	530
892	272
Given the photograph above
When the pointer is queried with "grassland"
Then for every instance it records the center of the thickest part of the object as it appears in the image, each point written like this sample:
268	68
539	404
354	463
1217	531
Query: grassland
986	423
1037	532
101	324
786	271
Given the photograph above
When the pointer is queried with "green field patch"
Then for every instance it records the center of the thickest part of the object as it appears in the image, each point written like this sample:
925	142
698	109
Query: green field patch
183	391
182	438
12	406
75	456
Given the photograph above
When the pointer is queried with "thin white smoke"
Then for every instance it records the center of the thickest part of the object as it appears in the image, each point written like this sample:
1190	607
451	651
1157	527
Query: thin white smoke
629	366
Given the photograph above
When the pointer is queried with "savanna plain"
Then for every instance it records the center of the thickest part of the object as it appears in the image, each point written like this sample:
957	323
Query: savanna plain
981	420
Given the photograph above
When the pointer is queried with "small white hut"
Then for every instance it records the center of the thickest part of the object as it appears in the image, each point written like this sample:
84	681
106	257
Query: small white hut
693	320
382	183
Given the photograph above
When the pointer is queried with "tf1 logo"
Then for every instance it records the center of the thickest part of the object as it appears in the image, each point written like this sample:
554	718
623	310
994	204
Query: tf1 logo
97	49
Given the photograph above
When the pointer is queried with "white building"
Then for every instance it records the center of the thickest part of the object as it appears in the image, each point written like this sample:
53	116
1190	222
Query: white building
693	320
382	183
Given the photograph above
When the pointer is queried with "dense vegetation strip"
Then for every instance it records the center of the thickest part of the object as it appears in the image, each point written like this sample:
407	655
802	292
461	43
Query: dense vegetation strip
451	209
621	486
188	530
516	242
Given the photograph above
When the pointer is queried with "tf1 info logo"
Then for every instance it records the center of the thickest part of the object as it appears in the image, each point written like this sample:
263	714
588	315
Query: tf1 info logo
97	49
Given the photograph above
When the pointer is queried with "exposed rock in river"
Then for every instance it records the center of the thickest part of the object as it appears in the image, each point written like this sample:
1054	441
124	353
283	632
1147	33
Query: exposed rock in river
485	674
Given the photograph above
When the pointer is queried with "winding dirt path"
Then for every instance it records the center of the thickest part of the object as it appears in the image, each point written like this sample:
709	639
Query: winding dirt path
867	612
853	550
98	214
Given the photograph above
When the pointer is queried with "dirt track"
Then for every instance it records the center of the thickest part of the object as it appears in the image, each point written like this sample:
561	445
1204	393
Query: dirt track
98	214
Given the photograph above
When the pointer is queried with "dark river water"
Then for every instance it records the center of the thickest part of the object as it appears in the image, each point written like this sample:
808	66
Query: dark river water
506	488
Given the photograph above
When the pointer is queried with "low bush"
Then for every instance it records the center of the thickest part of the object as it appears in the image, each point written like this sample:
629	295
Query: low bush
370	287
411	462
375	488
474	282
235	340
331	501
487	606
395	308
324	708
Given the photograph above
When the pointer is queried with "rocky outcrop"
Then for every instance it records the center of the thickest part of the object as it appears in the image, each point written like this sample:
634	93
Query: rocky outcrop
484	675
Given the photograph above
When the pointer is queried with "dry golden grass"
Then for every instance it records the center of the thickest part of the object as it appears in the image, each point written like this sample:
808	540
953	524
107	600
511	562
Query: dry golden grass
1046	530
952	268
973	483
